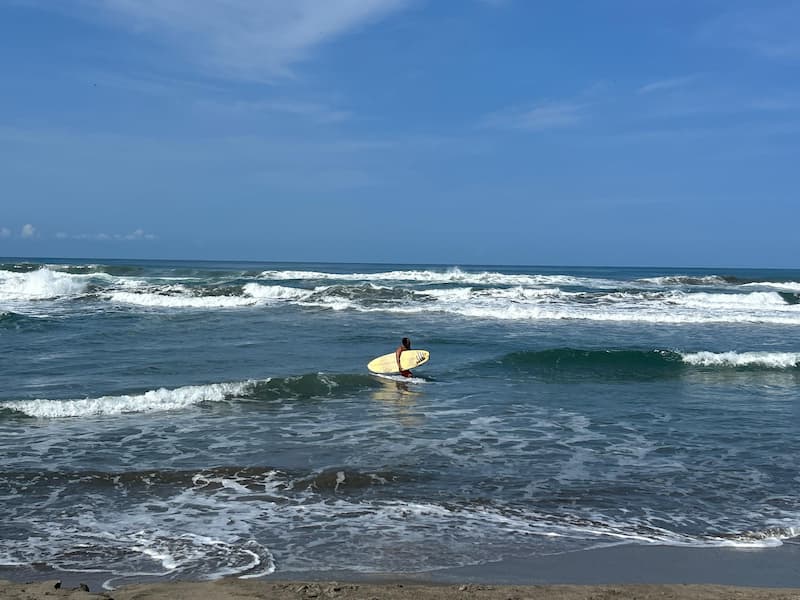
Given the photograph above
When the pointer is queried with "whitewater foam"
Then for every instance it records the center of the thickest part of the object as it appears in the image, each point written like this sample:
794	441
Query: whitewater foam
486	295
274	292
653	307
771	300
41	284
181	300
686	280
161	399
512	293
772	360
521	303
452	275
178	296
784	286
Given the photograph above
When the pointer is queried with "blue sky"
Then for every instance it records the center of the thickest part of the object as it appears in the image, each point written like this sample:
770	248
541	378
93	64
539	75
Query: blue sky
607	132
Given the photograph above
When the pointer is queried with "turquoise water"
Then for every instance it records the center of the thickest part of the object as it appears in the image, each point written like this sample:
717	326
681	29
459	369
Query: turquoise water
201	419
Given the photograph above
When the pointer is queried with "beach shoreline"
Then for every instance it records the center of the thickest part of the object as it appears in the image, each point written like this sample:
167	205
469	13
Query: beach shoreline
235	589
627	571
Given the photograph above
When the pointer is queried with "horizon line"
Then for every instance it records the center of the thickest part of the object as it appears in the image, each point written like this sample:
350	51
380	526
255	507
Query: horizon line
40	259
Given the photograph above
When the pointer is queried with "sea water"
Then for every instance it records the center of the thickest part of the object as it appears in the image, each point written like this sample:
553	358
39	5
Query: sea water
204	419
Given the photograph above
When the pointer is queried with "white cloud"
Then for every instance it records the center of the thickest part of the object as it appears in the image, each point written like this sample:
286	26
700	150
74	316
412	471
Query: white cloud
138	234
312	110
5	232
28	231
247	38
663	85
537	118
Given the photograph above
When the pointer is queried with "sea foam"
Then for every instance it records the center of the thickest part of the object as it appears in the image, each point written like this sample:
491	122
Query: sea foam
274	292
784	286
772	360
41	284
452	275
161	399
180	300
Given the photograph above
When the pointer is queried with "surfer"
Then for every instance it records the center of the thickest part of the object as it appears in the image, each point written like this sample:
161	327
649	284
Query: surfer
405	344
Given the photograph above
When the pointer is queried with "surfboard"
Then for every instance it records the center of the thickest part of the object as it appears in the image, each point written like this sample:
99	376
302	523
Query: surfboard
409	359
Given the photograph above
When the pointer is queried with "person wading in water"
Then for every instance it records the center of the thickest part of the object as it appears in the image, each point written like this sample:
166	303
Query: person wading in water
405	344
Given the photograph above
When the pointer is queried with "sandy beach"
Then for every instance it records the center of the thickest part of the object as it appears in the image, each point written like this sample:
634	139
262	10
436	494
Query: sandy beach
232	589
620	572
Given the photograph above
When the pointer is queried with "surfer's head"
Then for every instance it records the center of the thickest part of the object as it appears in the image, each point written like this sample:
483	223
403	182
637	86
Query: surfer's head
406	343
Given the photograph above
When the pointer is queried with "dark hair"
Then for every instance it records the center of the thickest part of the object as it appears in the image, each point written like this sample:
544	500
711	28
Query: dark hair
406	343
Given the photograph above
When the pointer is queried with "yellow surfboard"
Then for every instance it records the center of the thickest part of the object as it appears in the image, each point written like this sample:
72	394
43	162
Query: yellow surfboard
409	359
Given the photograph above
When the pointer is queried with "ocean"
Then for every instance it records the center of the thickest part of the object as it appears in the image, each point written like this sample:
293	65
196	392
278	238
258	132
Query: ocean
193	420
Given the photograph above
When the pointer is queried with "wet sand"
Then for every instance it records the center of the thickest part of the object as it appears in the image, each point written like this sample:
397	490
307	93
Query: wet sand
235	589
623	572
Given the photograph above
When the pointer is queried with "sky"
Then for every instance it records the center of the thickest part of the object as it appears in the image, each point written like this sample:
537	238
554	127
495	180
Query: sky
562	132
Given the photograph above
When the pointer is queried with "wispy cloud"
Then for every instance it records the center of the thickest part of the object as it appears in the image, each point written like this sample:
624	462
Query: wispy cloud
138	234
539	117
215	98
495	3
777	103
717	102
245	38
148	85
312	111
769	30
663	85
5	232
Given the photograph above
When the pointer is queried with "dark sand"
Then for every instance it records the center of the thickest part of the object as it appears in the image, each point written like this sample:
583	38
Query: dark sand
234	589
623	572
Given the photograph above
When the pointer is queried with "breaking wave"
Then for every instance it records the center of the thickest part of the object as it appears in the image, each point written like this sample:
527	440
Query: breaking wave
641	363
161	399
41	284
445	276
687	280
180	300
484	295
316	385
764	360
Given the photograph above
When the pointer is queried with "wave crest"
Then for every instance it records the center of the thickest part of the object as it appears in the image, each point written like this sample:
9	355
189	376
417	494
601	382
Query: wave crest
634	363
767	360
312	385
41	284
161	399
